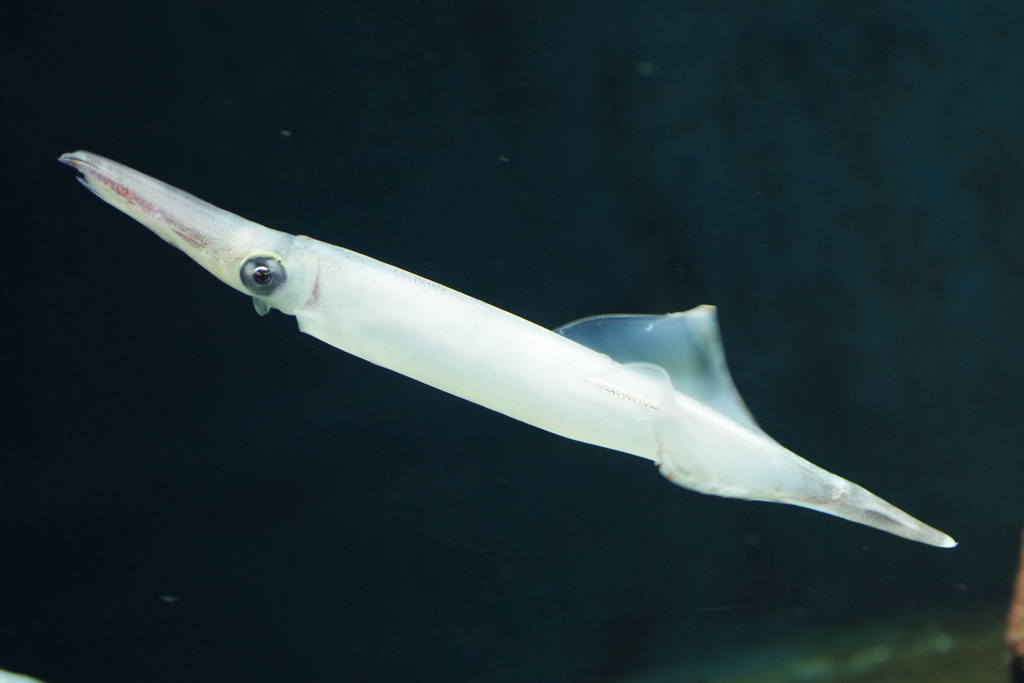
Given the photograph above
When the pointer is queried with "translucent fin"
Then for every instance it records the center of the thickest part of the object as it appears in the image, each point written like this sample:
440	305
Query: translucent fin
687	345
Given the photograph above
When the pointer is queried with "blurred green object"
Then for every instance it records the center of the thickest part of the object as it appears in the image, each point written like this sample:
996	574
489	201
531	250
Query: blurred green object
1015	624
8	677
941	648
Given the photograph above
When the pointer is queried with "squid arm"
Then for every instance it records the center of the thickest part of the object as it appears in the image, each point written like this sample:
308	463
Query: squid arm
654	386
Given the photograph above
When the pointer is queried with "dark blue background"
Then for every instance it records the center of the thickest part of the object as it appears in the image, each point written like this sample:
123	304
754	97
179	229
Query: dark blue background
844	180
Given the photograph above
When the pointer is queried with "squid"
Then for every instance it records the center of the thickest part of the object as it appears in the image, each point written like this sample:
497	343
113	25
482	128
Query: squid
653	386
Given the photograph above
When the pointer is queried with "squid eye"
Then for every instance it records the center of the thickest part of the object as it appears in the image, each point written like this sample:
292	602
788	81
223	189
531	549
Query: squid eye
262	275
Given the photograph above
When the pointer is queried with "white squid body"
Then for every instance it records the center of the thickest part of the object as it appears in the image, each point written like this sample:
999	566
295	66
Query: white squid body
652	386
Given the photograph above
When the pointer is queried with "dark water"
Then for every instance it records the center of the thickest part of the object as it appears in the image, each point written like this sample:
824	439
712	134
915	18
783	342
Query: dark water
189	492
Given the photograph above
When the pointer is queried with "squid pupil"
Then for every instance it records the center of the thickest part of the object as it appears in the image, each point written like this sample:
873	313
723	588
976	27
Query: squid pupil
262	275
